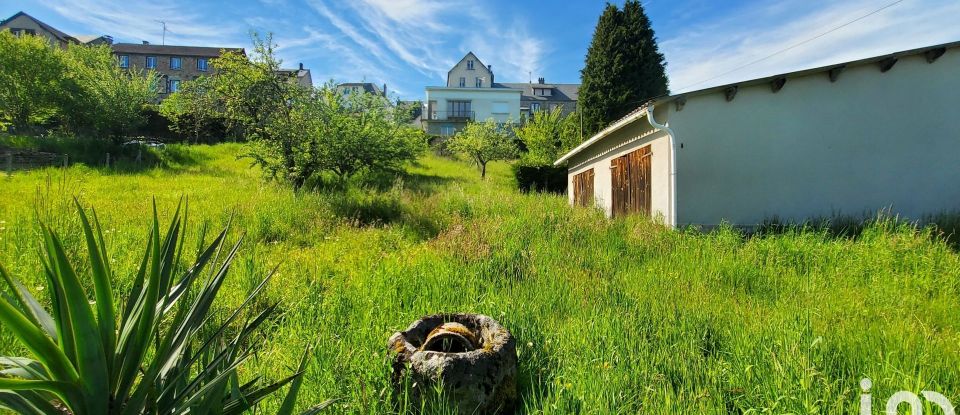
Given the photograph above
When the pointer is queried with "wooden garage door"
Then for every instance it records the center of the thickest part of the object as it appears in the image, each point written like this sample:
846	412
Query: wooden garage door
631	182
583	189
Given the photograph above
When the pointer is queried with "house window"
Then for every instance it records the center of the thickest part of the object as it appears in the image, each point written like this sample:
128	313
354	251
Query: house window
174	85
151	62
463	82
202	64
124	61
534	107
176	63
479	82
459	109
447	130
470	65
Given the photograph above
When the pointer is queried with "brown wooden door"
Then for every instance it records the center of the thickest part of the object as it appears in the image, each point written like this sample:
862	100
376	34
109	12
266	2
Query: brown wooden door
630	178
583	189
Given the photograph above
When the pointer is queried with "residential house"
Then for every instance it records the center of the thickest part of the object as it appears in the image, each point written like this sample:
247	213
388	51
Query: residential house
95	39
472	94
174	64
23	24
300	75
541	96
851	138
361	87
469	95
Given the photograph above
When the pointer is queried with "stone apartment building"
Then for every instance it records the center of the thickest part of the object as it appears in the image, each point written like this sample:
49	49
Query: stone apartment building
472	94
23	24
173	64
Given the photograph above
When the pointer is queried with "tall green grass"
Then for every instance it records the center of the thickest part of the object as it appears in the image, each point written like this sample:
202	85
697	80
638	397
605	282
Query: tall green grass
617	316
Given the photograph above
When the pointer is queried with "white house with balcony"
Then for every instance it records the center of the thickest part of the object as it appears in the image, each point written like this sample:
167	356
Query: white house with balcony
470	95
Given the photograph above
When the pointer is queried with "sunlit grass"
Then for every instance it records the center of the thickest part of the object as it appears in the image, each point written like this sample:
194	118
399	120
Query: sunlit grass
615	316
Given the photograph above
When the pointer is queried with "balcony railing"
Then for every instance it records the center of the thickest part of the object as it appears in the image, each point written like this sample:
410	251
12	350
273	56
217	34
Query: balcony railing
449	116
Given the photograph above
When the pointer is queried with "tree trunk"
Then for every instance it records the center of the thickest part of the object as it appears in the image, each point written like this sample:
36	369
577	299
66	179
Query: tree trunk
483	170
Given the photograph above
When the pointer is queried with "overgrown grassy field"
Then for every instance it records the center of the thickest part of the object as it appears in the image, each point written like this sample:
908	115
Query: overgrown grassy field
611	316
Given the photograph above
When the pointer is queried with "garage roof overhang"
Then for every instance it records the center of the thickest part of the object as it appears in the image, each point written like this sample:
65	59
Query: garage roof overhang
884	61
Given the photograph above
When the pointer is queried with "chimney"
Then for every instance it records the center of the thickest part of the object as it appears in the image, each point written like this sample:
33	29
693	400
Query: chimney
145	42
490	68
301	66
384	89
540	80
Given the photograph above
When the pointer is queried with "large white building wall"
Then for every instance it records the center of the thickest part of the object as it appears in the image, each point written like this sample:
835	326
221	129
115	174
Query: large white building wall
482	102
630	138
866	142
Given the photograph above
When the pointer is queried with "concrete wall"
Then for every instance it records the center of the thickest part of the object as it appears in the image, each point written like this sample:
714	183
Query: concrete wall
481	103
815	149
24	22
869	141
631	137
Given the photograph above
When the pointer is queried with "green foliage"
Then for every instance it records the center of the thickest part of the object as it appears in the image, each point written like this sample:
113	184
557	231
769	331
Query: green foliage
81	88
193	111
484	142
618	316
547	136
109	100
162	352
624	67
295	134
31	81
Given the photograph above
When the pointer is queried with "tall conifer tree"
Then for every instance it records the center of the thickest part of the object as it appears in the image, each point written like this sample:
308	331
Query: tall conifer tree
623	67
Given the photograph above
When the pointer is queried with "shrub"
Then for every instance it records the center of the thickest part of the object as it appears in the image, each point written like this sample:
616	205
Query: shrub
539	178
162	353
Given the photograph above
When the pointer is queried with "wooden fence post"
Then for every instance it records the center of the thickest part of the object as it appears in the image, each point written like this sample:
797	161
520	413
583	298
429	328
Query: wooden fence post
108	160
9	164
66	160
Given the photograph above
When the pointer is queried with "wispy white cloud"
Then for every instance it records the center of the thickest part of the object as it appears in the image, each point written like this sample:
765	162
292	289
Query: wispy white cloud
316	44
702	53
141	21
418	34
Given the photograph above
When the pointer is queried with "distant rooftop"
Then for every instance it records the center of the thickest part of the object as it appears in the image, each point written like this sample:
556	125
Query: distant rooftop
147	48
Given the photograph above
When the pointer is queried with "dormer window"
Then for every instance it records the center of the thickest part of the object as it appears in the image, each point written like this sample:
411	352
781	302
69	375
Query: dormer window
470	65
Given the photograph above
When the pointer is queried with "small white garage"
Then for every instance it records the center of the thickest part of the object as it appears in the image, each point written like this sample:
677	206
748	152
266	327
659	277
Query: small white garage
843	140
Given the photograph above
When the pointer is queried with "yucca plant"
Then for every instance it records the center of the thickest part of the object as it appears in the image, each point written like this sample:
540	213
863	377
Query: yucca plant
162	353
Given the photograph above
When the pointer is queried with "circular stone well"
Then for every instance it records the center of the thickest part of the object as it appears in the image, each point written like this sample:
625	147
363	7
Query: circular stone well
472	356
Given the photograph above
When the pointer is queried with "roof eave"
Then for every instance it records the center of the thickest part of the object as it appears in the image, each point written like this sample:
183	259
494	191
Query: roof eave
636	115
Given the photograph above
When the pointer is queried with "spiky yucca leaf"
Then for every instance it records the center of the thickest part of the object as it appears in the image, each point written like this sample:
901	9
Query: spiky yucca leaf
89	359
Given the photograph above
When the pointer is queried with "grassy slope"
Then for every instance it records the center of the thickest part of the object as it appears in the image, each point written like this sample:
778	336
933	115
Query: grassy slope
611	316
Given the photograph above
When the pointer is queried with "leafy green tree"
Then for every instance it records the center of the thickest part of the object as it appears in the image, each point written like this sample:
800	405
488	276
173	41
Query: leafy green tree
484	142
31	80
295	133
623	67
547	136
250	92
193	110
327	132
106	100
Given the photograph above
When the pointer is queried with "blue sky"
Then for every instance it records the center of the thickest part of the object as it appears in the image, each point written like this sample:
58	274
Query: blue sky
409	44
